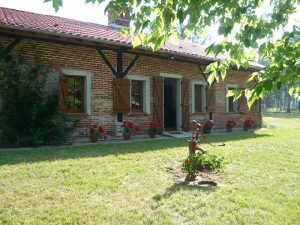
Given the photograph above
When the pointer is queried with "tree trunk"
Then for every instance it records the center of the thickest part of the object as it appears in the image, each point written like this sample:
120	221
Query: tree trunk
288	104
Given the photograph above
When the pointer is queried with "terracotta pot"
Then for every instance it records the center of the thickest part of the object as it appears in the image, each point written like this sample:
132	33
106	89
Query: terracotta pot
206	130
229	129
94	139
192	146
126	136
152	135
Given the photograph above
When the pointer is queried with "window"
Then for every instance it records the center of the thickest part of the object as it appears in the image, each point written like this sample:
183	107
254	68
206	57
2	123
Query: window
75	93
198	96
137	91
232	106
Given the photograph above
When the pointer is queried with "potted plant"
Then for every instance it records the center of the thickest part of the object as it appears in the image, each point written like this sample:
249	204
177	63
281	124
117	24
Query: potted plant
230	124
129	129
248	123
154	128
96	132
207	126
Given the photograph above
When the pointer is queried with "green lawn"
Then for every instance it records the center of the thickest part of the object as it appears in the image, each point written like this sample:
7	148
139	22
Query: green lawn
138	183
282	119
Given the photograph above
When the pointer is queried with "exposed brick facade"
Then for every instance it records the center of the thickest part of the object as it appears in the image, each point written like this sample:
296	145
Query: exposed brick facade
69	57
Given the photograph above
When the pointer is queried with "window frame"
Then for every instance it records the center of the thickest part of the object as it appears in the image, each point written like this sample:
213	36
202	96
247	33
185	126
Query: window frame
87	89
81	110
235	103
145	94
203	96
142	83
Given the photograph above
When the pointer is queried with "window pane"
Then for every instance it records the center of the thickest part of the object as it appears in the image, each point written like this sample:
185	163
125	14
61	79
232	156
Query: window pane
232	106
75	90
137	95
198	98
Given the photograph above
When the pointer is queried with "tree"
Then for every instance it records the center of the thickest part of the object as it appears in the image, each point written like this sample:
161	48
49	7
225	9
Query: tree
28	115
247	28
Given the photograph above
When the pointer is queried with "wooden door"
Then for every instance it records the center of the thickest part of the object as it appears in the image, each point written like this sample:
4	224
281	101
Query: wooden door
158	99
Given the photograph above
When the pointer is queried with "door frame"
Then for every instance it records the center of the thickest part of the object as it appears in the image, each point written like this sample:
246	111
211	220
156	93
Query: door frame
178	100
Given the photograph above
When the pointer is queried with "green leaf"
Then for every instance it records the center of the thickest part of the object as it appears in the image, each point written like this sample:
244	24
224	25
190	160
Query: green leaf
291	91
268	84
230	93
56	4
211	77
124	31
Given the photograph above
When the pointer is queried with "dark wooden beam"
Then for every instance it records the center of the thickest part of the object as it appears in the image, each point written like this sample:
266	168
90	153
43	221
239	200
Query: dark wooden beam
107	62
202	73
12	45
131	64
120	63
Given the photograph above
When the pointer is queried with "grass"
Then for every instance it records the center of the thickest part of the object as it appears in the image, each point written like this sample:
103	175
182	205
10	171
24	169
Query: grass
282	119
138	183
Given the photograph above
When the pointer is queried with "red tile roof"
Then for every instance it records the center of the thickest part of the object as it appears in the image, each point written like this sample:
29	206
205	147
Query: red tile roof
15	19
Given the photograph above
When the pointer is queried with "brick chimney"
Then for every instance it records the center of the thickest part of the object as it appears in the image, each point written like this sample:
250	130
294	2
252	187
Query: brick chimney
121	21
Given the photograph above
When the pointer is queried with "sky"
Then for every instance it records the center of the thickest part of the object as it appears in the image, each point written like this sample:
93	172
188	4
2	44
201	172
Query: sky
77	9
72	9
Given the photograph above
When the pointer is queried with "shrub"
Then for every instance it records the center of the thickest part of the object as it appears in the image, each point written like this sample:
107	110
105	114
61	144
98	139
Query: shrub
199	162
29	117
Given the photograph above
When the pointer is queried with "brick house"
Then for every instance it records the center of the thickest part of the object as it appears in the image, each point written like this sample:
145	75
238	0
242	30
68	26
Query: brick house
101	78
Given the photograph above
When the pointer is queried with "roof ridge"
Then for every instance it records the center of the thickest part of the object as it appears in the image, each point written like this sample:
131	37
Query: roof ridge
40	14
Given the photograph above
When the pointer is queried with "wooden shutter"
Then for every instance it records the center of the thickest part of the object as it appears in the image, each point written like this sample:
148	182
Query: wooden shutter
211	99
158	99
185	90
242	101
121	95
63	92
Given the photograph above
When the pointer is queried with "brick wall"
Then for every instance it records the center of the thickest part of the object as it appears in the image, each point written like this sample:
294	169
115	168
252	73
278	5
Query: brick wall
59	56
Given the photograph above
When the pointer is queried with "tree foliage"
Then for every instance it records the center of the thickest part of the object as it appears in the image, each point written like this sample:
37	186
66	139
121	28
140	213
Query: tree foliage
247	28
28	116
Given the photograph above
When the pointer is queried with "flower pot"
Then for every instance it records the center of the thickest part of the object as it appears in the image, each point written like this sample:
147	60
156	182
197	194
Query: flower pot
206	130
126	136
152	135
192	146
246	128
229	129
94	139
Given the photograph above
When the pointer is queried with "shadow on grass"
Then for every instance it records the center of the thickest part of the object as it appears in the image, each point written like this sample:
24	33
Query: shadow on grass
32	155
179	187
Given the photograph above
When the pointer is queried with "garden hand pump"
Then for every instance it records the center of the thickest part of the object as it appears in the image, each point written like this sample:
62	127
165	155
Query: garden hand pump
196	128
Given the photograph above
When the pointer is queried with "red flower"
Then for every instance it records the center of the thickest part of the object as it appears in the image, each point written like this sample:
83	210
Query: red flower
230	123
208	124
101	129
248	122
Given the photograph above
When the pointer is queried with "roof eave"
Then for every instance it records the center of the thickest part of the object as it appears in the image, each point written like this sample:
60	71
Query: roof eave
115	43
